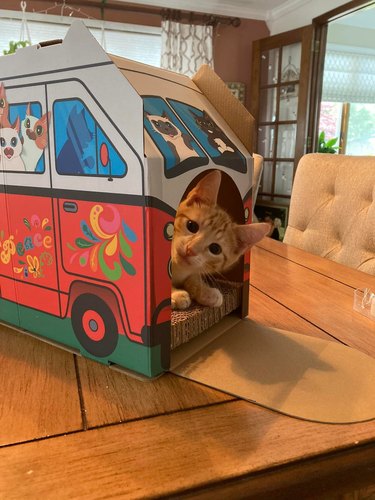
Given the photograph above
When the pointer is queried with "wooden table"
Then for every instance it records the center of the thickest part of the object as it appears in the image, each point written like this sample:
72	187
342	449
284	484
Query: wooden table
71	428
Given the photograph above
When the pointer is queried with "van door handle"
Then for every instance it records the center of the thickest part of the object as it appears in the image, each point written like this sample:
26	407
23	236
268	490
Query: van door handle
70	206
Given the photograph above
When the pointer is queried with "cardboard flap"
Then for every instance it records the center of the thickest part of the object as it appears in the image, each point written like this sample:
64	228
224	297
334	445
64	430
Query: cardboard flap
294	374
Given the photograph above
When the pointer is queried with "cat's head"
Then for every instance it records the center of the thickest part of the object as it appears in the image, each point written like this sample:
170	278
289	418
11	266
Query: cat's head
35	129
206	240
163	125
205	122
10	143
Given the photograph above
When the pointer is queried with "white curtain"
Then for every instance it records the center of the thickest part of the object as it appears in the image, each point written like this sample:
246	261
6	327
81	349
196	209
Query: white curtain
185	47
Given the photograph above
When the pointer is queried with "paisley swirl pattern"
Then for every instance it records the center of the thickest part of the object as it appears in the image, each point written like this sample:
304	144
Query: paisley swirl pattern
105	237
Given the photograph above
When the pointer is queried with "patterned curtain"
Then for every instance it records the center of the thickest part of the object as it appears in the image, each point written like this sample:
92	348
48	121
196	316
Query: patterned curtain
185	47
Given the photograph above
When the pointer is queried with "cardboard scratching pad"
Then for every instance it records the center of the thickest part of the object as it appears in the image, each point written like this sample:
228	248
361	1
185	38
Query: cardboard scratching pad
298	375
187	324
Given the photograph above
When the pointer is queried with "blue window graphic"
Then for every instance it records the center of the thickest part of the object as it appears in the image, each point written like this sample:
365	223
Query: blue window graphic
81	146
180	150
212	138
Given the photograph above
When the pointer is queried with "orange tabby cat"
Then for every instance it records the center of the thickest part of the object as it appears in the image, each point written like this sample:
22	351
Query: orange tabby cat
205	242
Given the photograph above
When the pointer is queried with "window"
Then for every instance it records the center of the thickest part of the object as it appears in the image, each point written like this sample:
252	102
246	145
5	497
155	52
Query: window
81	147
348	100
139	43
22	145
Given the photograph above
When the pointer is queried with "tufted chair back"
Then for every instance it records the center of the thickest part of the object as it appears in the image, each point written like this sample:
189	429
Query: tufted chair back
332	209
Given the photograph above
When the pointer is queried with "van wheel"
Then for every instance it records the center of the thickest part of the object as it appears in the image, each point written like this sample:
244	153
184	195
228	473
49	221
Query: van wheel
94	325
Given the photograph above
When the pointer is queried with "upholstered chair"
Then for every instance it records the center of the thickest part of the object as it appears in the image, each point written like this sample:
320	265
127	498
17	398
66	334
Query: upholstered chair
332	209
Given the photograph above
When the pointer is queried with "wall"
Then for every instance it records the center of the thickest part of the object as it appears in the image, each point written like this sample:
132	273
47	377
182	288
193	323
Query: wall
232	46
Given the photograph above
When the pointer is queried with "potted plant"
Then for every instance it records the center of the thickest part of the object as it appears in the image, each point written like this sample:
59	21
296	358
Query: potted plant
327	146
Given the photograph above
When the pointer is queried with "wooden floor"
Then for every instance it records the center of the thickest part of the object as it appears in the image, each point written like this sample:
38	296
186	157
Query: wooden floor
72	428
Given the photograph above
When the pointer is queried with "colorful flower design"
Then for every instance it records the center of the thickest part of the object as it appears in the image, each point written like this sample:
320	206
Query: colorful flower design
103	239
37	239
33	266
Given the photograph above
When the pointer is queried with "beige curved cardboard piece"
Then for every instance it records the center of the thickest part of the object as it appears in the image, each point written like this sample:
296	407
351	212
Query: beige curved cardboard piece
297	375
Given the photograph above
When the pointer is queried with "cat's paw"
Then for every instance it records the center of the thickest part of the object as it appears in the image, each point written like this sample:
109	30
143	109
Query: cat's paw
180	299
212	297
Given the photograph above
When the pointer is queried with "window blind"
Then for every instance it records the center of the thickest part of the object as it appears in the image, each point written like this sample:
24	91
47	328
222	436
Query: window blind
139	43
349	77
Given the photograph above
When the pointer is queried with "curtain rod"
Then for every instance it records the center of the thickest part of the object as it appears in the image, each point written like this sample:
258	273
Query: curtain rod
165	13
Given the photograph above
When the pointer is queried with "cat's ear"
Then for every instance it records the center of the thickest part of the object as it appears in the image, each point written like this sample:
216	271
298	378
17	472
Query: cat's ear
45	119
16	125
206	190
249	234
28	110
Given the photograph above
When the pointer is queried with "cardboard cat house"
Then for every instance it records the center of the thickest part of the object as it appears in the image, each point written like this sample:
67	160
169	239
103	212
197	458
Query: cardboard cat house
97	153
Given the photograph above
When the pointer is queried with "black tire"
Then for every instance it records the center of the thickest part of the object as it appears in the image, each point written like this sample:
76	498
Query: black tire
91	317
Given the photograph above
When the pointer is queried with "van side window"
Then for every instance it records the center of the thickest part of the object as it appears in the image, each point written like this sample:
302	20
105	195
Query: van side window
181	152
24	138
210	135
81	147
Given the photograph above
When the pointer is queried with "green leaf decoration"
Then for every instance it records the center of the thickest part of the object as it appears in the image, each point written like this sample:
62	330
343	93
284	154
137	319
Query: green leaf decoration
127	266
48	228
124	245
22	262
71	247
83	261
1	235
27	224
82	243
112	274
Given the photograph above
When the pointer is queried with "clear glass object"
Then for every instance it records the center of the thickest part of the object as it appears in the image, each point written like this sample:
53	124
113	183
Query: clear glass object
288	102
284	177
269	67
268	109
286	141
291	62
266	140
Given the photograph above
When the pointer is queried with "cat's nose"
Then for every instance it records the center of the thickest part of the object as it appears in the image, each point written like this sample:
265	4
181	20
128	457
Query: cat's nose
190	252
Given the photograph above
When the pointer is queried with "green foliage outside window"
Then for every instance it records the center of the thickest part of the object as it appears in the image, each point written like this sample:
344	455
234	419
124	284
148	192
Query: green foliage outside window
13	46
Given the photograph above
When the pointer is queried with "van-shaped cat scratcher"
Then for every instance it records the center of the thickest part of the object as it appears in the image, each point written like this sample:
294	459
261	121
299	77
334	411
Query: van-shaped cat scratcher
96	154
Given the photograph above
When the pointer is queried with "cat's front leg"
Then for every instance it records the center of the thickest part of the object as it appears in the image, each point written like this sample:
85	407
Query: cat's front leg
202	293
180	299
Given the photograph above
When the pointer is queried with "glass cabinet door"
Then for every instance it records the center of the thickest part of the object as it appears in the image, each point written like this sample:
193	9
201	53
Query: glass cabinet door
280	77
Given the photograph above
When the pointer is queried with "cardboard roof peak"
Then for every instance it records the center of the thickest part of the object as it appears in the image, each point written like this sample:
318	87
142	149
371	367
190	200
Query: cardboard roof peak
56	55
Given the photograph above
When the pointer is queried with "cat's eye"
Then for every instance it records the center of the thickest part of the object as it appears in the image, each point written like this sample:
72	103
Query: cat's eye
39	130
27	123
2	103
192	226
2	141
13	142
215	248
